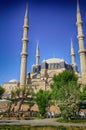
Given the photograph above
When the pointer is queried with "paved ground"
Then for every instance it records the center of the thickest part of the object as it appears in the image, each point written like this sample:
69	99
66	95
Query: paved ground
38	122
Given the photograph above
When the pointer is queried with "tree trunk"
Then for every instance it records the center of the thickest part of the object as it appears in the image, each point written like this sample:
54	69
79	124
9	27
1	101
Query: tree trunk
20	104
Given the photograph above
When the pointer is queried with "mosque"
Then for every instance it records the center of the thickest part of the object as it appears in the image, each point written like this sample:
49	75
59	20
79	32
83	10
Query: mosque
41	75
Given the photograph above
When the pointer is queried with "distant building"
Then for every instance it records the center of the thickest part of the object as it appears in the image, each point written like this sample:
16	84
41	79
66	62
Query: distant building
9	86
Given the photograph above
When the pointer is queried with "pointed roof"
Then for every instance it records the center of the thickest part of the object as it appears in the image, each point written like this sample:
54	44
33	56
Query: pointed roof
78	8
72	47
26	13
37	47
71	43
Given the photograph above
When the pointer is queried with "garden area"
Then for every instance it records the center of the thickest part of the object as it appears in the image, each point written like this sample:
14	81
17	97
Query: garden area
65	93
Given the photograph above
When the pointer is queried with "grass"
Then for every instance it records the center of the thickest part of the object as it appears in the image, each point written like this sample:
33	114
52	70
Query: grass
72	121
40	128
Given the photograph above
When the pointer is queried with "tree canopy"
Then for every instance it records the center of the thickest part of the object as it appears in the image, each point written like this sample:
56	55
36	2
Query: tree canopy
65	92
83	93
43	101
20	94
64	78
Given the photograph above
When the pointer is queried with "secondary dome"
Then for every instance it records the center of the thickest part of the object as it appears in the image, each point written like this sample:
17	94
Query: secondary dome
13	80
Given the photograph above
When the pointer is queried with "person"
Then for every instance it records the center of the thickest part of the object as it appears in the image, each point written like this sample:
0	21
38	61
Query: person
53	114
49	114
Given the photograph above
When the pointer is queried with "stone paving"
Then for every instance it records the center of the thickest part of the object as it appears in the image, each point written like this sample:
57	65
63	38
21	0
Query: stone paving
39	122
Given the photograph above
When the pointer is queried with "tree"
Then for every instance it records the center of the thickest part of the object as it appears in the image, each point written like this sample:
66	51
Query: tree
64	78
65	92
83	93
20	94
43	100
69	100
1	91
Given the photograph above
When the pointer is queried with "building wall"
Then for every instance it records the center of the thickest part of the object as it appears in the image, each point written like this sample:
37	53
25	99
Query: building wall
9	86
42	79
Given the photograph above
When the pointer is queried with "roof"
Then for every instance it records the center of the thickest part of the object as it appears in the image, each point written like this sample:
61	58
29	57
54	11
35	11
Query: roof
54	60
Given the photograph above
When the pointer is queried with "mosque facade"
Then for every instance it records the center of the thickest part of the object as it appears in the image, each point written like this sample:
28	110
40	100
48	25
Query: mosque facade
42	74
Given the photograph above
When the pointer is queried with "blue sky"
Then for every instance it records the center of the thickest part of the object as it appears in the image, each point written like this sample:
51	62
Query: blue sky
52	22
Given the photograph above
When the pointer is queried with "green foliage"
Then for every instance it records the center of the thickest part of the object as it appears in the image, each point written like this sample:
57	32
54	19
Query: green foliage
77	120
1	91
69	101
65	90
20	94
83	93
64	78
23	92
43	100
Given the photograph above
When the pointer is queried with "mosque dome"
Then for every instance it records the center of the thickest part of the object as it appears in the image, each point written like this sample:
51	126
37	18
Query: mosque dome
54	60
13	80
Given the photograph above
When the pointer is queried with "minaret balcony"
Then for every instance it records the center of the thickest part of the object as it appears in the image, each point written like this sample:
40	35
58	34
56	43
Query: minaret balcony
24	54
80	36
79	22
82	51
72	54
26	26
25	39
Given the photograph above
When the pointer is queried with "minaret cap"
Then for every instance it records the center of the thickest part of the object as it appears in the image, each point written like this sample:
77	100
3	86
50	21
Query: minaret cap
26	13
37	45
78	8
71	43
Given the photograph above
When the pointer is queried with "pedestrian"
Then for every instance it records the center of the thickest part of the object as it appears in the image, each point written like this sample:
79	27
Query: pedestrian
49	115
53	114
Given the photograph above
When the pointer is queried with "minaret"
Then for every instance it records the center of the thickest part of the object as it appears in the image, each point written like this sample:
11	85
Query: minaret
24	53
73	57
82	50
72	53
37	54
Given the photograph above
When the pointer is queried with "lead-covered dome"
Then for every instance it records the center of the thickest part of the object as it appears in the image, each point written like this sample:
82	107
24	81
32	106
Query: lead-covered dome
13	80
54	60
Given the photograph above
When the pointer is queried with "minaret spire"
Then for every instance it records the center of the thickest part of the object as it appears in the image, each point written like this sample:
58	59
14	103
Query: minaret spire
73	57
72	53
71	43
37	53
82	51
37	48
24	53
26	13
78	8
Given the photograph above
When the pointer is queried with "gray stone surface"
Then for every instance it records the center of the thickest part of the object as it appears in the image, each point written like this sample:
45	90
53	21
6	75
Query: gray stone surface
39	122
